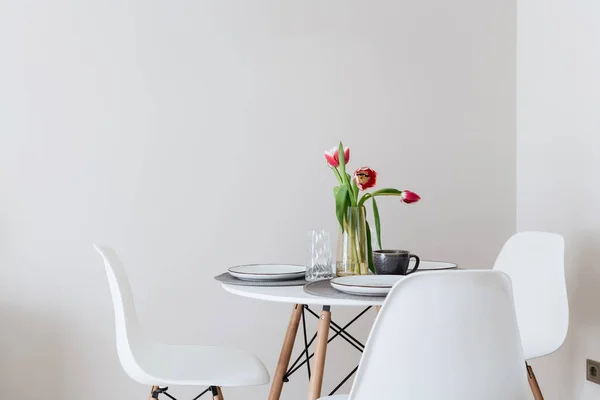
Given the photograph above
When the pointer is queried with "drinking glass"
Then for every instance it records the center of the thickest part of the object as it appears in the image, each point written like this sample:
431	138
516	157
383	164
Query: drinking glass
319	266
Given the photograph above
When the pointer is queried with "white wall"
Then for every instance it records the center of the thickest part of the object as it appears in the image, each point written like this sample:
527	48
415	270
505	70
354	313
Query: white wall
189	135
559	167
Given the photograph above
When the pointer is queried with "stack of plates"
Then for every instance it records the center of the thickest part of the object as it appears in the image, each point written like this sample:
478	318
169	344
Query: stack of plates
366	285
380	285
268	272
434	266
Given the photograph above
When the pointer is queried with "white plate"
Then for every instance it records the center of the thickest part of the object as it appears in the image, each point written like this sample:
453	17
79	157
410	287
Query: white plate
434	266
267	272
366	285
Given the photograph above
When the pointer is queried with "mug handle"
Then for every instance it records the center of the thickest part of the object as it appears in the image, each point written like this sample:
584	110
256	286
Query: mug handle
416	257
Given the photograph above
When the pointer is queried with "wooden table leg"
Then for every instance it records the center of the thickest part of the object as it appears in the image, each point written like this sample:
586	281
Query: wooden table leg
316	379
152	392
286	353
215	392
535	388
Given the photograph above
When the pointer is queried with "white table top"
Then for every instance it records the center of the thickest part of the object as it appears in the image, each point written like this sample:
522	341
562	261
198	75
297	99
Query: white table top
295	295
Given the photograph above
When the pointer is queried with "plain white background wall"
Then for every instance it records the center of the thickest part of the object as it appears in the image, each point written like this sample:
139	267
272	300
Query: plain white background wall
189	135
558	167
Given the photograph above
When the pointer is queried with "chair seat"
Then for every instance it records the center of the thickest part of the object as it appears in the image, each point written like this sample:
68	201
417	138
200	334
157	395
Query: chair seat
157	364
166	365
336	397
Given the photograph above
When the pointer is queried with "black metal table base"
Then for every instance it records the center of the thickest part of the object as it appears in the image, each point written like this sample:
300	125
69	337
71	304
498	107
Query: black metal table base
340	331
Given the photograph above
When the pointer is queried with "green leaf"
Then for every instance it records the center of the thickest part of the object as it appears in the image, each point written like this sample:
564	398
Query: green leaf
342	158
353	187
377	222
370	249
342	166
344	175
341	203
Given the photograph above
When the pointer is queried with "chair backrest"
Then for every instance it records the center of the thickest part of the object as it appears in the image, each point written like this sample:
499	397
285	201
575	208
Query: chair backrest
535	263
130	341
445	335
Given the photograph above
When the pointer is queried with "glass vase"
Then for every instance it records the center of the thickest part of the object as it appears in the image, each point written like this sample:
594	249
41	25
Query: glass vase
352	254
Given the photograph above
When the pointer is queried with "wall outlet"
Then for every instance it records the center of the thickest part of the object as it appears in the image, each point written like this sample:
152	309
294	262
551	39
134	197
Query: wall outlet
593	371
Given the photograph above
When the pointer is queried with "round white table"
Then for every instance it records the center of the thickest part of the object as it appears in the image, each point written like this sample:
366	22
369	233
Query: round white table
295	295
299	298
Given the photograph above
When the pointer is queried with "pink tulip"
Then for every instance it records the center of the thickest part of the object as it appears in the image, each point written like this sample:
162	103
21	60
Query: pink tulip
409	197
365	178
332	156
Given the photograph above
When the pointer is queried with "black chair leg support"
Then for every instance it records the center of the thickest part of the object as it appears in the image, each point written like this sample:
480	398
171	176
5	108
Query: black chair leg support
158	391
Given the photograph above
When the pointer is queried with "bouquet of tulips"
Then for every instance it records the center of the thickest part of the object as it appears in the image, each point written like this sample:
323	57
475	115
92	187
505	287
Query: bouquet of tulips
348	198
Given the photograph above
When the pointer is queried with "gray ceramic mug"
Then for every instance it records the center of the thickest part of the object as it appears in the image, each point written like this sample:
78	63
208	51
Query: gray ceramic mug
394	262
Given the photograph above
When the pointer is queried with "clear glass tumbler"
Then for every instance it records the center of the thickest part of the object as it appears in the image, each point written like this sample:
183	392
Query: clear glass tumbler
319	265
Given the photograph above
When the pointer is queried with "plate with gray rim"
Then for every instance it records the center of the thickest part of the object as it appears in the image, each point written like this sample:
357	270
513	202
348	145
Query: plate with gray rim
267	272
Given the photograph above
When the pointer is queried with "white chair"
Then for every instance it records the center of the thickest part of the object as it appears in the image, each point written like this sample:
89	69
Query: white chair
444	335
159	365
535	263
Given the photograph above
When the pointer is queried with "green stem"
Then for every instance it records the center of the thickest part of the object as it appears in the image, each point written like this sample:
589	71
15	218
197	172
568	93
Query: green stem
350	191
355	254
337	174
382	192
363	199
354	258
355	190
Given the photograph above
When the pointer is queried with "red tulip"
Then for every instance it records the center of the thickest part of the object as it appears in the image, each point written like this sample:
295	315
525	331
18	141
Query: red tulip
409	197
365	178
333	158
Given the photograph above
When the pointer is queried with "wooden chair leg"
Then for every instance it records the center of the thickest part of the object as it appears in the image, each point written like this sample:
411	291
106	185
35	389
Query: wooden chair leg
152	391
535	388
286	353
316	379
